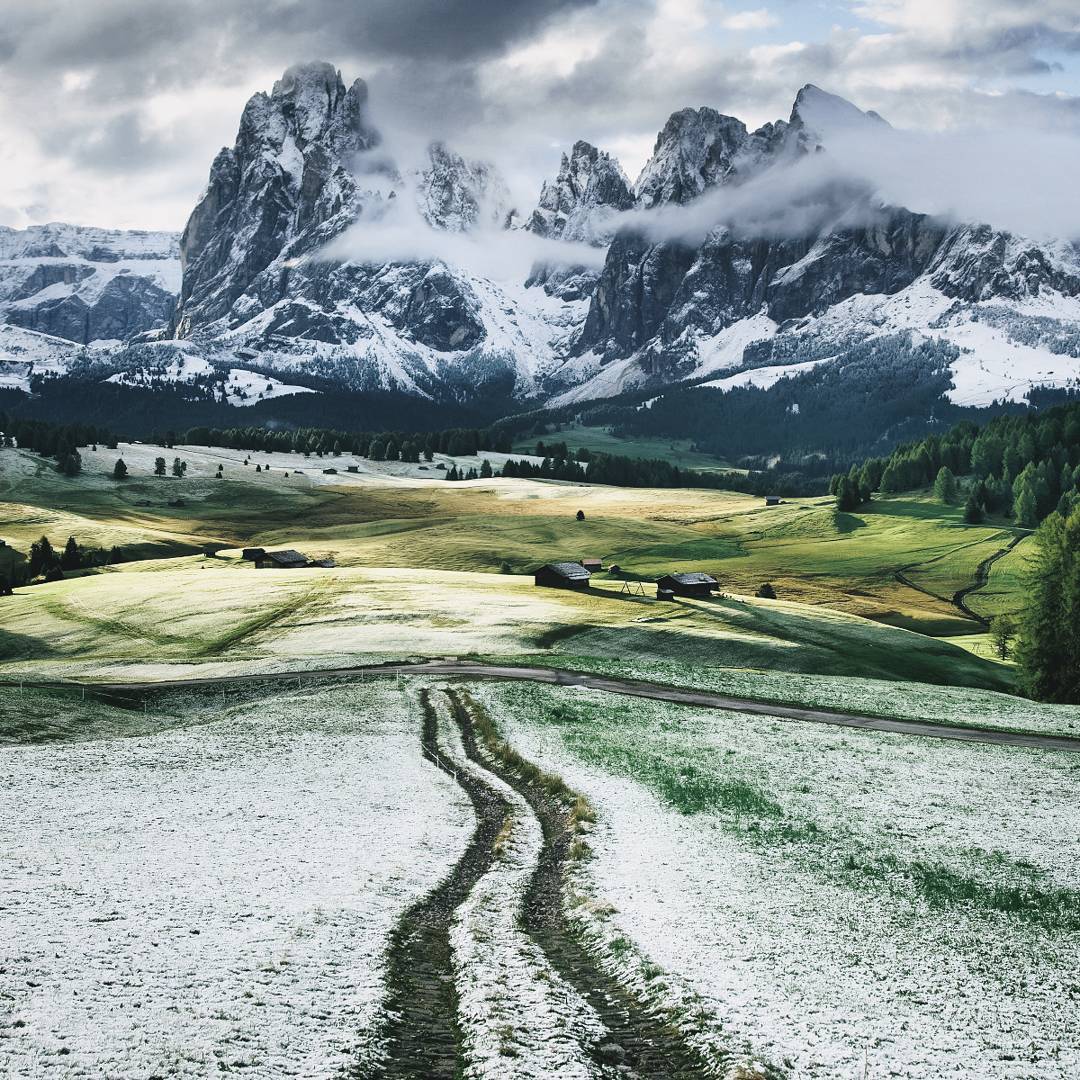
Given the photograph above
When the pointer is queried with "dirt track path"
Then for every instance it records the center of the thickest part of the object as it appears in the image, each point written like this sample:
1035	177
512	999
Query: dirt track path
422	1035
631	687
637	1046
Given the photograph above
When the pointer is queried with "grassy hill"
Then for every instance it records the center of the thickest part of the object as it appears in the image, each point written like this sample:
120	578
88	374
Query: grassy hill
420	558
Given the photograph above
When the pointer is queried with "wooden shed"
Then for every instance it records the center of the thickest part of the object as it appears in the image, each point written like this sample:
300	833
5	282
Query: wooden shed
282	560
773	500
252	554
694	583
563	575
594	566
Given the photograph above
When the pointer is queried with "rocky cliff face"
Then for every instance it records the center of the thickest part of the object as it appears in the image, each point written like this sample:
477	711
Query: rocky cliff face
87	285
583	201
287	184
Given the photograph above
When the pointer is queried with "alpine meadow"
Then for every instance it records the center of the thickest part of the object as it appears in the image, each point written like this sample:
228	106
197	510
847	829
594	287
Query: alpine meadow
540	540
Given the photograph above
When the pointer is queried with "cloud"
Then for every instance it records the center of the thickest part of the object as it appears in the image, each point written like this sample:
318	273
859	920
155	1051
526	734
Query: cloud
1020	181
136	97
761	19
402	235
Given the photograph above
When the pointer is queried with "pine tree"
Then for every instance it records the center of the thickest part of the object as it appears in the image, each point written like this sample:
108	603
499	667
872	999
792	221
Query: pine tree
159	466
945	486
1025	506
973	511
1048	653
42	557
485	469
72	558
120	470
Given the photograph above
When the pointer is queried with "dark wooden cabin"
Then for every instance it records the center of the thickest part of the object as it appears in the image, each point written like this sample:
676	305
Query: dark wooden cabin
594	566
694	583
563	575
282	560
252	554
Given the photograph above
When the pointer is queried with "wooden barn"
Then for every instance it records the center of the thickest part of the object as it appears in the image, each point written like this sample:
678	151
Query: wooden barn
694	583
594	566
252	554
563	575
282	560
773	500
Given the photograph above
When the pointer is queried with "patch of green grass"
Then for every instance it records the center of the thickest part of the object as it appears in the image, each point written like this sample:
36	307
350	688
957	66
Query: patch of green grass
942	886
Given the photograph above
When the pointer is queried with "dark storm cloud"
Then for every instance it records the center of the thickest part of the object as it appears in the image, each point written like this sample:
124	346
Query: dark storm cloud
93	91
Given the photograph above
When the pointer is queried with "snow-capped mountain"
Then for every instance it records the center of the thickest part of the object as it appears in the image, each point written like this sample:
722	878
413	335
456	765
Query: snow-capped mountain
314	259
85	284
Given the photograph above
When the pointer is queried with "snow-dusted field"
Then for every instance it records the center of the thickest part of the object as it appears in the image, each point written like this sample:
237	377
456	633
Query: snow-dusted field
215	897
849	904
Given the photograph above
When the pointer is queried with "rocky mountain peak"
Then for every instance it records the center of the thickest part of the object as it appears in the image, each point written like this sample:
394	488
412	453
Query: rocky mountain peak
816	114
289	175
580	202
459	195
696	149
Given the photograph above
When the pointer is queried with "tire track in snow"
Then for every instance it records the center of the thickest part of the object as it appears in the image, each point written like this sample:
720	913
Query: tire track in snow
637	1045
422	1035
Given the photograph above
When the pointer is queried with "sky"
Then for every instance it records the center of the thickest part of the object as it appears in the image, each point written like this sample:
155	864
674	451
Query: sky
111	111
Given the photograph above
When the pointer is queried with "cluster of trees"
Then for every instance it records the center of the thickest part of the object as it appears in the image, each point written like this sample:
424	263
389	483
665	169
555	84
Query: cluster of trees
378	446
45	563
1023	467
179	467
454	473
1048	650
551	468
876	392
57	441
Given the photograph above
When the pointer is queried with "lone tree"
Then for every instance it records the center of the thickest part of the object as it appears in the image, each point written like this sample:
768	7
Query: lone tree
766	592
1002	632
581	515
945	486
1048	653
159	466
72	558
119	470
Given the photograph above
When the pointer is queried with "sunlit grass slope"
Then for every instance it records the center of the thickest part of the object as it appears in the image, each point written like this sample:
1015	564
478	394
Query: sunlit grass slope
201	610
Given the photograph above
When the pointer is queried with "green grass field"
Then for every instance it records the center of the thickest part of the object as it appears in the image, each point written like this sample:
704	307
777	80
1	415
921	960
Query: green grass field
601	440
419	562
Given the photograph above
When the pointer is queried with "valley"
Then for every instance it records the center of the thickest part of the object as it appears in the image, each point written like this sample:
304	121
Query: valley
517	573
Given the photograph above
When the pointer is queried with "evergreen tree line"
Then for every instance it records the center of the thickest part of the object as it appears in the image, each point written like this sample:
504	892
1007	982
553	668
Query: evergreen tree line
878	393
378	446
45	563
57	441
622	471
1023	467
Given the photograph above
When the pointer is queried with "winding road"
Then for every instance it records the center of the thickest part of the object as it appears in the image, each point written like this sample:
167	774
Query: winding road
630	687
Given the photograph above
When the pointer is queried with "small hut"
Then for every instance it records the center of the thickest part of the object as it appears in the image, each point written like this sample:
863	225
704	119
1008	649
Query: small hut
773	500
594	566
562	575
252	554
694	583
282	560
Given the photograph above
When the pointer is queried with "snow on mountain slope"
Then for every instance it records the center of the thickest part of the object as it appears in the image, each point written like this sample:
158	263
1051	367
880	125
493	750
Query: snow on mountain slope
314	256
25	353
182	363
87	284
